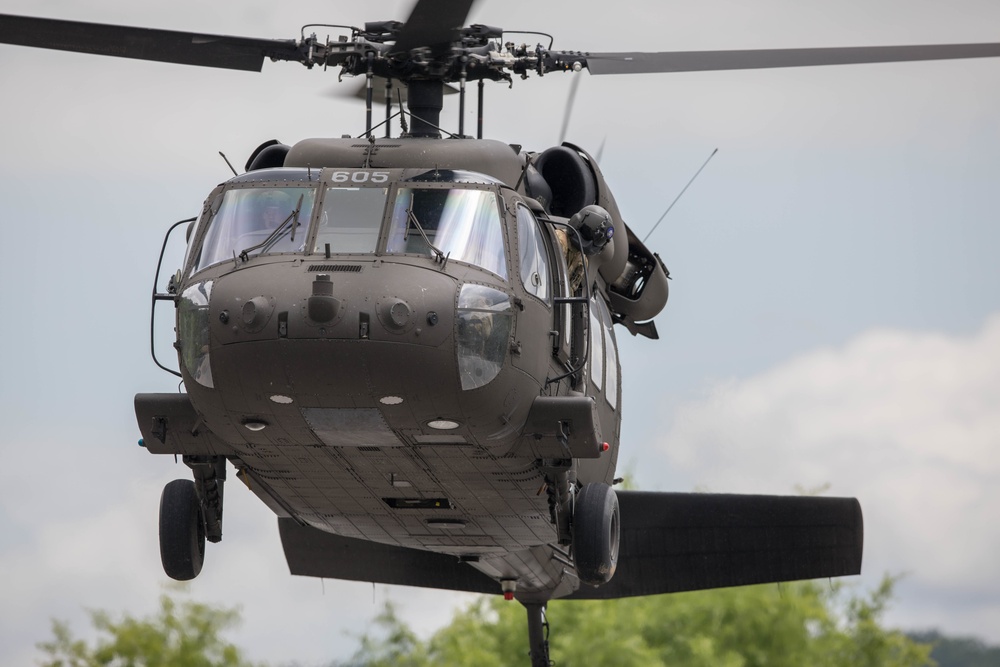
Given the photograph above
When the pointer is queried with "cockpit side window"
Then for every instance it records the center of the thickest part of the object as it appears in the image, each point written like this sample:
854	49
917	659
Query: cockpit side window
350	220
534	261
259	220
463	224
193	252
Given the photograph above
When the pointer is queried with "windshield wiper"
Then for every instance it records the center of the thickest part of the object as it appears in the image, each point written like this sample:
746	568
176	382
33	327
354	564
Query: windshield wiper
439	256
277	234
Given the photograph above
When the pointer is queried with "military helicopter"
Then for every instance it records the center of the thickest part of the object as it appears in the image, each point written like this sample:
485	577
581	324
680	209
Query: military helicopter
406	346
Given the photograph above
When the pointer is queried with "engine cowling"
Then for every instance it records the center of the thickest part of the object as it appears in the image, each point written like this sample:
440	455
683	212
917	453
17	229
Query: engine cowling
568	182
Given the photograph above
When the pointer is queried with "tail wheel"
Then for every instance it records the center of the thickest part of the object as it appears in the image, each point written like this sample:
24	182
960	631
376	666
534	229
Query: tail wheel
182	530
596	529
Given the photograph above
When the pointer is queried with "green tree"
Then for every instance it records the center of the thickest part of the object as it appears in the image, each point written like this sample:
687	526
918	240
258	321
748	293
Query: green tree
185	634
399	647
805	623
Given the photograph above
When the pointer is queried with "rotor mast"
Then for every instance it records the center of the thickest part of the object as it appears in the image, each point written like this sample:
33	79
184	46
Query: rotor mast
424	102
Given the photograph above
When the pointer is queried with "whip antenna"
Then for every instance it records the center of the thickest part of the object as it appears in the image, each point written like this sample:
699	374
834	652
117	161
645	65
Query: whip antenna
229	163
680	195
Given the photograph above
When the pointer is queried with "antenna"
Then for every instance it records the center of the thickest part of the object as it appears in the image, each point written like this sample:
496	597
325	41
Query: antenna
229	163
679	195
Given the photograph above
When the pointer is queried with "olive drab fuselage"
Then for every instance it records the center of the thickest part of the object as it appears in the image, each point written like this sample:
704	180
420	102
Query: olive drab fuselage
393	348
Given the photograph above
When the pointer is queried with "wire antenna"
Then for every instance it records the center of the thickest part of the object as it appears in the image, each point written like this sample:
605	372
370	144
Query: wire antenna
680	195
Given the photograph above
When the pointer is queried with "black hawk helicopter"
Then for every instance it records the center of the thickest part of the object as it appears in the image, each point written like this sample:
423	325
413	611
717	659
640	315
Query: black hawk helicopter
406	345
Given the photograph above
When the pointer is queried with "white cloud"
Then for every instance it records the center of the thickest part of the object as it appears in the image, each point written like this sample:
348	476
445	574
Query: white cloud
906	422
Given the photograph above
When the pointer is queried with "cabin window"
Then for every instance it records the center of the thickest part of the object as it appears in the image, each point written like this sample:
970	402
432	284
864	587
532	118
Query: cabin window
350	219
610	353
596	346
258	221
533	255
461	224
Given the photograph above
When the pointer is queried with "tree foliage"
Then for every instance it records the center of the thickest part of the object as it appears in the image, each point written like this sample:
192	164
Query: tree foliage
805	623
185	634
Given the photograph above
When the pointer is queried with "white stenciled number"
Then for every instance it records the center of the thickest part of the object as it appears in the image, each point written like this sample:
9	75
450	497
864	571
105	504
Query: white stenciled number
359	177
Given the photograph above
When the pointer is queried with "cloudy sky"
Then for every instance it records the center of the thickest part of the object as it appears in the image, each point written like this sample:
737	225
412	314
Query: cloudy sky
835	315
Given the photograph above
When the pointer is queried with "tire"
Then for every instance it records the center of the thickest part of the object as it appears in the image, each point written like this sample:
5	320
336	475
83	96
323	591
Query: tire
596	529
182	531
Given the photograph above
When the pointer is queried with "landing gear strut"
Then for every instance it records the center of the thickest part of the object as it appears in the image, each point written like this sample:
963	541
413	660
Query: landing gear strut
538	634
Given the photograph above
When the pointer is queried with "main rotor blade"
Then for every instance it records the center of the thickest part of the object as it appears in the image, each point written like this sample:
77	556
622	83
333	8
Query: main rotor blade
702	61
573	87
433	24
186	48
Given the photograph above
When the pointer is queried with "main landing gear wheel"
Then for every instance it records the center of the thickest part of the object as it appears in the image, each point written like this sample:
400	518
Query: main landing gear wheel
596	530
182	530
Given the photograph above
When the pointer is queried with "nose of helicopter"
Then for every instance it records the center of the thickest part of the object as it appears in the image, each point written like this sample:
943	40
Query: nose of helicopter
306	315
318	347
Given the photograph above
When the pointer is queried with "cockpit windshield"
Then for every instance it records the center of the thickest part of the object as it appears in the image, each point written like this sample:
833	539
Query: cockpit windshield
258	220
463	224
271	212
350	220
